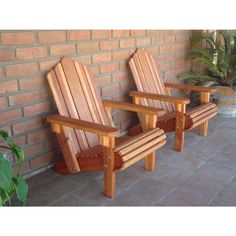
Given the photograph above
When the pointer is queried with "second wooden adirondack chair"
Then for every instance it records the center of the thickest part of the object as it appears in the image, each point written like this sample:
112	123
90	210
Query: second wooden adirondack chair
153	92
85	130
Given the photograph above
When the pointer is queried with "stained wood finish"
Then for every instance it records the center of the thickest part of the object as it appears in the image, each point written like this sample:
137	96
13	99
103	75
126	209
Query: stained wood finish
205	98
85	129
147	79
153	92
190	87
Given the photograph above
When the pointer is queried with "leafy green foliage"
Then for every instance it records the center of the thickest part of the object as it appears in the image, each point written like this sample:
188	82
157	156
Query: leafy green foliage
11	184
217	54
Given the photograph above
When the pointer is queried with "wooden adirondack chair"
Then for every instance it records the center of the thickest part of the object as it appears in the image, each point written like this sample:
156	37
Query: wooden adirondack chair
85	130
153	92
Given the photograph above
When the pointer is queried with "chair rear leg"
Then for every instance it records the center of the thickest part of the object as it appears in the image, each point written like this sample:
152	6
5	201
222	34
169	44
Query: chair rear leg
150	161
203	128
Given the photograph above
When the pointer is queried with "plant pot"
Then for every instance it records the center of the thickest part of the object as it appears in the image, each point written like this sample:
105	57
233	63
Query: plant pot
225	98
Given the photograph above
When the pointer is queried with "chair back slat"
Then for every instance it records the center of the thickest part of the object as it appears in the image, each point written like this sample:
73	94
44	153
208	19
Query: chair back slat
147	78
76	96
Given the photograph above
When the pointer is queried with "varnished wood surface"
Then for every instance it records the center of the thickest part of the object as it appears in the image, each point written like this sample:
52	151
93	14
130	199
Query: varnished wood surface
82	125
190	87
160	97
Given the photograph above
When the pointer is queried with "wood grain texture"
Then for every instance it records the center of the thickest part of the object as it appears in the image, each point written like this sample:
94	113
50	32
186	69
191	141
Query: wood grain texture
152	88
160	97
83	125
205	98
190	87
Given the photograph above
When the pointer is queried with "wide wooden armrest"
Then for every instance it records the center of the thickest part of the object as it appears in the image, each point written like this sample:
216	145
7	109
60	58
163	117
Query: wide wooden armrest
82	125
133	107
190	87
160	97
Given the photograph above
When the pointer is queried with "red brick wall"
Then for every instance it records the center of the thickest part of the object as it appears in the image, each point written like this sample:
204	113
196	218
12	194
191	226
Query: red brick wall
26	56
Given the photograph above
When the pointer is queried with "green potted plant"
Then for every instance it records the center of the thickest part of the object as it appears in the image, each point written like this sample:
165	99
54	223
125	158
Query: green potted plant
11	184
216	52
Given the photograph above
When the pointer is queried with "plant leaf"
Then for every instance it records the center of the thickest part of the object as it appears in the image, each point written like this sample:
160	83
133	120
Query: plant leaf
4	134
21	189
19	152
5	174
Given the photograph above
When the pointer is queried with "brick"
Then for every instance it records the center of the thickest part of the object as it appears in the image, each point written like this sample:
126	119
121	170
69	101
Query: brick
154	50
87	47
38	136
102	57
43	160
120	55
108	45
110	90
177	47
20	140
103	80
166	32
152	32
31	53
99	34
33	150
125	125
121	116
52	36
120	33
164	67
85	59
157	40
48	65
24	98
109	68
6	55
165	58
51	145
165	49
142	42
7	129
127	85
138	32
1	73
31	83
21	69
127	43
8	86
169	38
18	38
3	103
62	49
177	64
37	108
94	70
182	38
9	116
23	170
119	76
124	65
78	34
26	126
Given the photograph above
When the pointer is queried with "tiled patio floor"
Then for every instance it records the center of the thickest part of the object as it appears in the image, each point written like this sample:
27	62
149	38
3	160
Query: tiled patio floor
203	174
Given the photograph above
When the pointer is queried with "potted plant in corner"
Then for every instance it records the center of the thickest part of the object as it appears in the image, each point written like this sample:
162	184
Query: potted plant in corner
10	183
217	54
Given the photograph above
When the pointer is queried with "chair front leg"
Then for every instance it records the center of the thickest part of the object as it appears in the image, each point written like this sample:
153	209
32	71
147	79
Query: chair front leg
205	98
109	165
179	126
